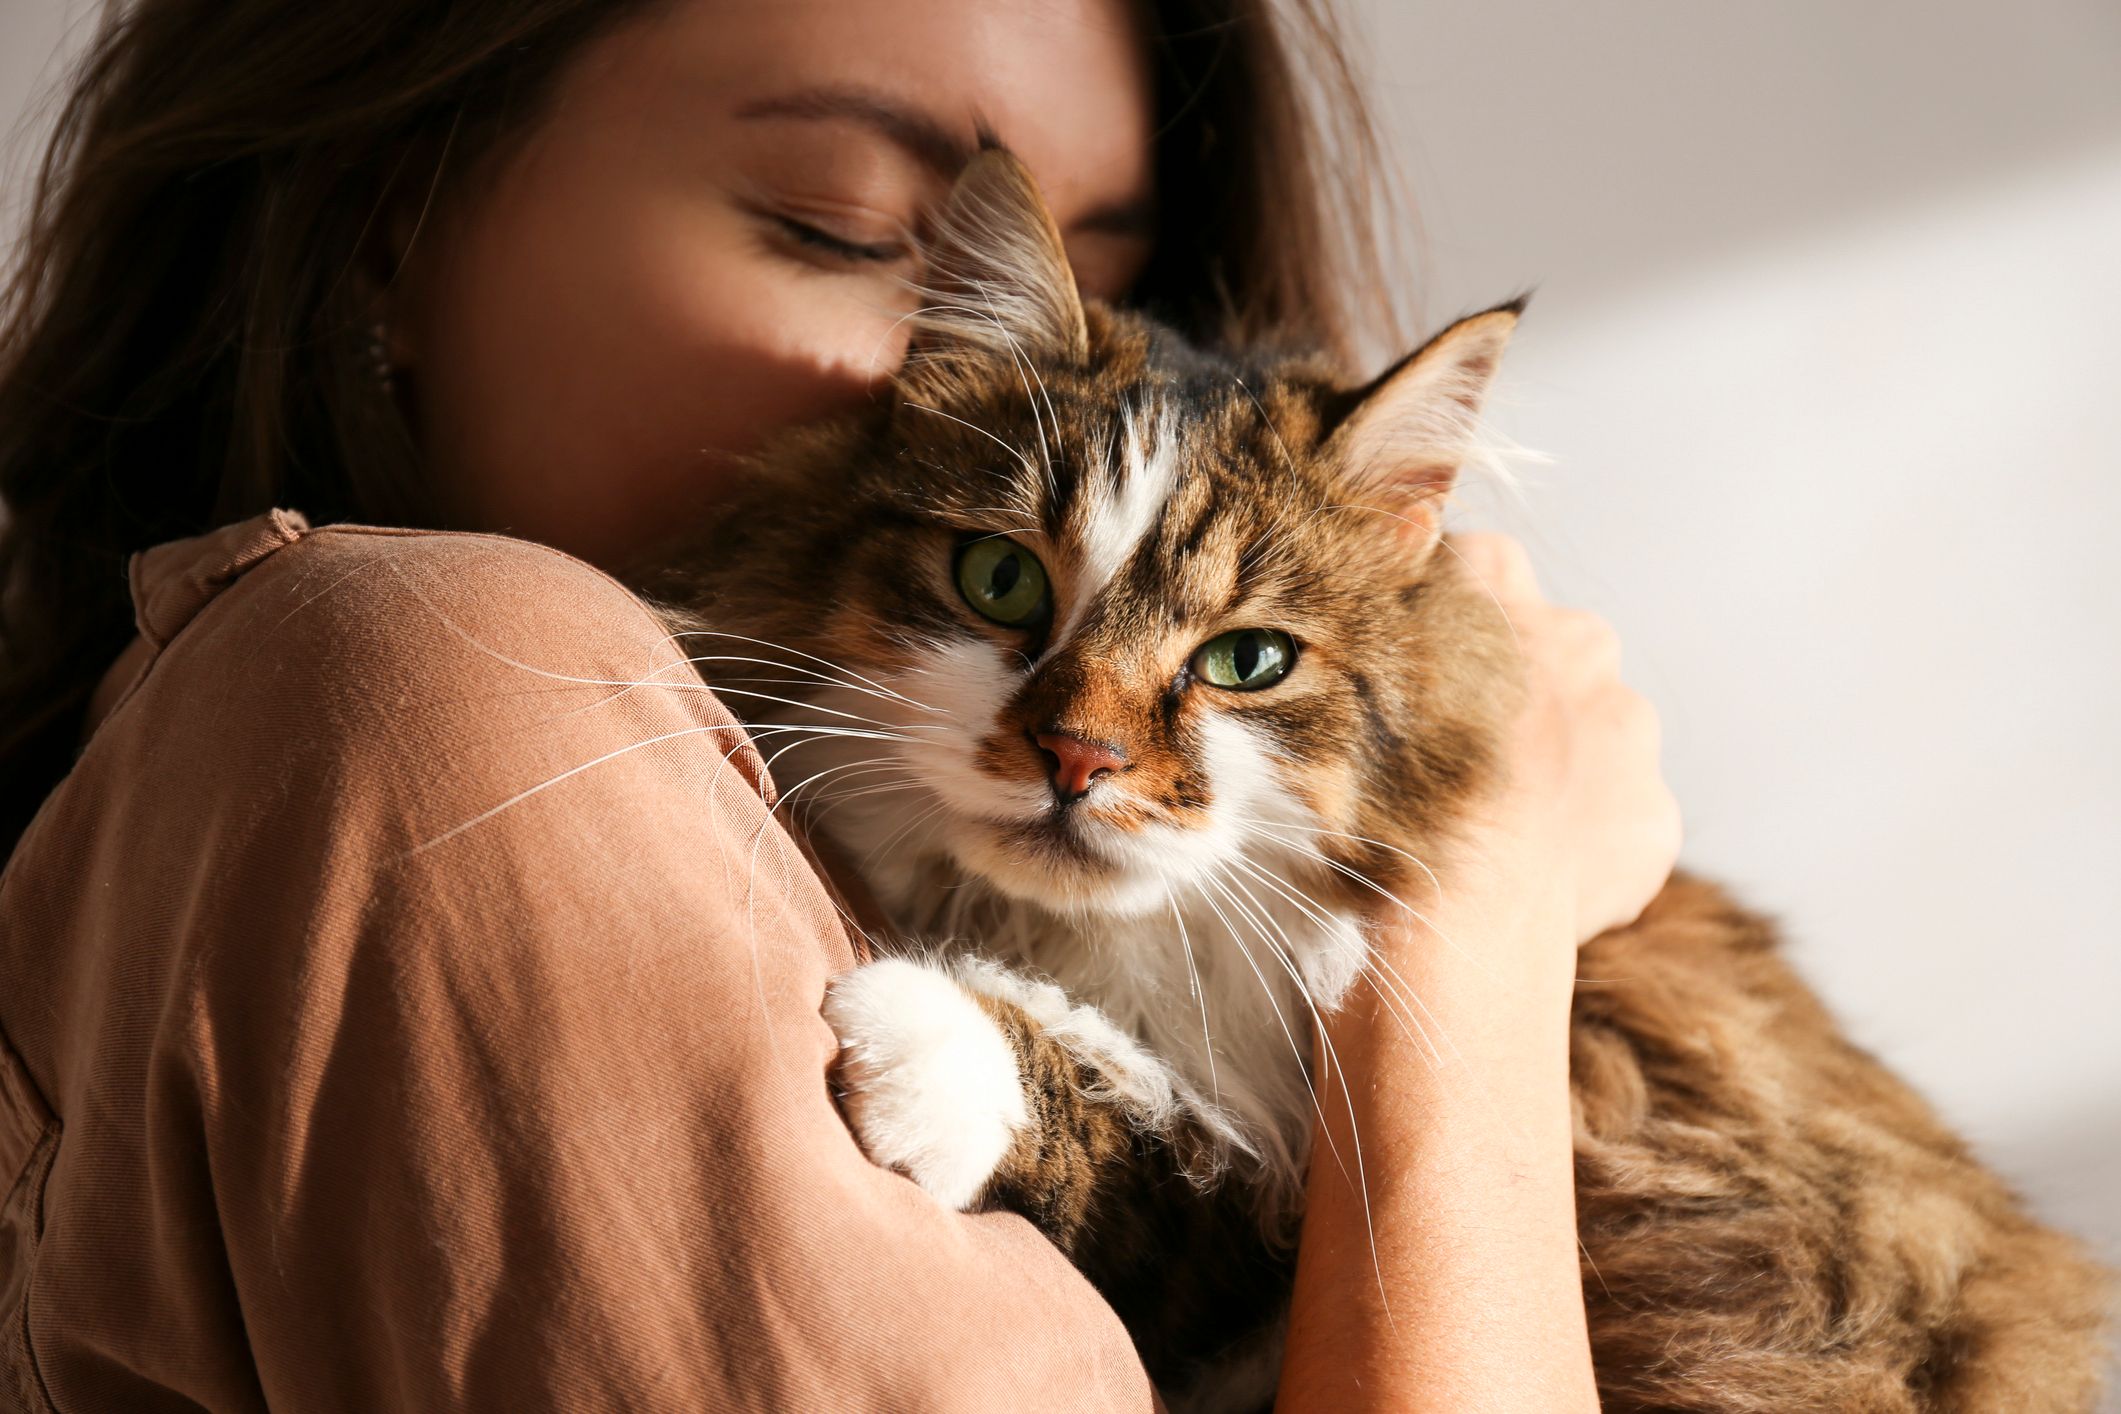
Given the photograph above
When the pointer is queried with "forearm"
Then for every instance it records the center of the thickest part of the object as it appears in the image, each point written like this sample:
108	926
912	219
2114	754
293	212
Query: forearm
1472	1300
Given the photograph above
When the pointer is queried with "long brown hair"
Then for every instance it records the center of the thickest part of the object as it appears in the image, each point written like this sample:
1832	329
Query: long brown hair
185	339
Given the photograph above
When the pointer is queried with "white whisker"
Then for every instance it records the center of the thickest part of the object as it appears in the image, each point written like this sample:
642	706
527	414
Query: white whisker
1396	901
1317	913
812	673
1382	966
1303	1062
875	722
785	648
1207	1045
523	795
1259	916
1434	882
1012	451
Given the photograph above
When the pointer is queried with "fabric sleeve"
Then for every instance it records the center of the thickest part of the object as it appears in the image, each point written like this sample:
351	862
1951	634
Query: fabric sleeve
498	1034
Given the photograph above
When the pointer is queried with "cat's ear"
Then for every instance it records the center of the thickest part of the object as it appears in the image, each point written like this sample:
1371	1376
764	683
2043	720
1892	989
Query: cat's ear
996	281
1401	438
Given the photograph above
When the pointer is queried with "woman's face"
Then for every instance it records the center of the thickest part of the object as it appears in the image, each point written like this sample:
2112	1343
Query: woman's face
704	240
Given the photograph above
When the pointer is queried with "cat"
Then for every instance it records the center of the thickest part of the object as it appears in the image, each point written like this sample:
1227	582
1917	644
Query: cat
1135	680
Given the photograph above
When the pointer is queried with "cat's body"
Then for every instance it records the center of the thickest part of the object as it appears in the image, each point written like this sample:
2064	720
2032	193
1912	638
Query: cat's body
1773	1221
1135	684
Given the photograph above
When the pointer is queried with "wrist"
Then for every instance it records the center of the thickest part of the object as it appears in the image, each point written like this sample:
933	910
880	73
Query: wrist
1465	1012
1444	1165
1499	926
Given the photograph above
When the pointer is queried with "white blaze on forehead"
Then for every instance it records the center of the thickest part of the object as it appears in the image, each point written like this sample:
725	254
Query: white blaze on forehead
1114	522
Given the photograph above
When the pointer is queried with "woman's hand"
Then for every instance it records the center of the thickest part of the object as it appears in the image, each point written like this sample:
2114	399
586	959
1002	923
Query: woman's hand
1582	819
1438	1269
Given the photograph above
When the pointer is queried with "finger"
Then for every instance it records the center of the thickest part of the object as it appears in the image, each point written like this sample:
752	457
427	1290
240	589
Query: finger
1499	562
1595	642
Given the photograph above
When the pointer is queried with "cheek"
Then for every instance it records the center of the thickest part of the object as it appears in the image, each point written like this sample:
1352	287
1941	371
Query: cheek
965	685
1232	769
1238	762
587	382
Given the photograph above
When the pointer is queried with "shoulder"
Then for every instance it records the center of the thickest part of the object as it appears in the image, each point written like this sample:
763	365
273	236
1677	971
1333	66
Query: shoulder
355	620
389	593
432	659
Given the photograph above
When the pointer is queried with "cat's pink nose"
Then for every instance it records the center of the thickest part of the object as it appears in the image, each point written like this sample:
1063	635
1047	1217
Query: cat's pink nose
1076	763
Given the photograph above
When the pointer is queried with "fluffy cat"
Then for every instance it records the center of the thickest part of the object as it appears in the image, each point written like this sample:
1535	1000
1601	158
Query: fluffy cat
1132	679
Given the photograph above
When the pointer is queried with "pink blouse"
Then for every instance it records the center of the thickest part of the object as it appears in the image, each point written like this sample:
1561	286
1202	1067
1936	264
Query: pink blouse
410	1001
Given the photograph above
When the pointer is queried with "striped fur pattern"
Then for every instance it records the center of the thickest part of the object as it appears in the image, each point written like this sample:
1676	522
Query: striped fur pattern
1770	1220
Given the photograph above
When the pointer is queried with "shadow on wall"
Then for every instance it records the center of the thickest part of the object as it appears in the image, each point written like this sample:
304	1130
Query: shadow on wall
33	34
2072	1177
1593	144
1824	350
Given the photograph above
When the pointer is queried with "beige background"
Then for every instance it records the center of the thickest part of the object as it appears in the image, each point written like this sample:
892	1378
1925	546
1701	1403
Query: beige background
1826	353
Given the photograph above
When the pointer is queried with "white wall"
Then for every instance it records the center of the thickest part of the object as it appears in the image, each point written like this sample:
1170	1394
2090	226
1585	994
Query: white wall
32	35
1826	349
1827	352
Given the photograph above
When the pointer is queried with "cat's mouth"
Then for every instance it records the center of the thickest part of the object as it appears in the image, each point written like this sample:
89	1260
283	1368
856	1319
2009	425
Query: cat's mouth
1063	834
1056	859
1062	841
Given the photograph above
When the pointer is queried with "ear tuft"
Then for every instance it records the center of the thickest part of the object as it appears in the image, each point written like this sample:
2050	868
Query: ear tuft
997	281
1401	438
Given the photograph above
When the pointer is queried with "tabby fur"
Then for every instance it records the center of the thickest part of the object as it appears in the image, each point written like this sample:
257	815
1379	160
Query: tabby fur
1770	1220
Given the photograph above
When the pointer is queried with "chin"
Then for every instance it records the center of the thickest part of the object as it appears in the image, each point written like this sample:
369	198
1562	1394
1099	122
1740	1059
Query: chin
1051	864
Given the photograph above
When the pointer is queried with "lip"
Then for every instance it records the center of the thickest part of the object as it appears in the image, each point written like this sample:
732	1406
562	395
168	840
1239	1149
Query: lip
1057	861
1058	834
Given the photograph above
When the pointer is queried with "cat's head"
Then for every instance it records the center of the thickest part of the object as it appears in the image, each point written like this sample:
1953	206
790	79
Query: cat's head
1102	618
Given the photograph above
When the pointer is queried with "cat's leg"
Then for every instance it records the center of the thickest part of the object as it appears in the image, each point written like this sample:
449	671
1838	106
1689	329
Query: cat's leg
983	1084
1120	1169
929	1082
991	1089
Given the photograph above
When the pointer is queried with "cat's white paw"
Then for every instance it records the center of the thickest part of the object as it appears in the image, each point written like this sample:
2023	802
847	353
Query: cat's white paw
928	1081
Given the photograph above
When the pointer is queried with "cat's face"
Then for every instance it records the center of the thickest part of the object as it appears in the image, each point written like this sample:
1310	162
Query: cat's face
1126	621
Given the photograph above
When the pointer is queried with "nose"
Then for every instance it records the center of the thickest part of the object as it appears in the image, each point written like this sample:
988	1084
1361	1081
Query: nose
1075	763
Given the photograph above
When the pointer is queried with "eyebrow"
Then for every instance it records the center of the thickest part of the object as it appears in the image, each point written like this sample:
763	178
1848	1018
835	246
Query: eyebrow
928	141
937	148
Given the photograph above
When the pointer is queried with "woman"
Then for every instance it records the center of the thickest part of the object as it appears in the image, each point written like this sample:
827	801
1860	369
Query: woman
398	1012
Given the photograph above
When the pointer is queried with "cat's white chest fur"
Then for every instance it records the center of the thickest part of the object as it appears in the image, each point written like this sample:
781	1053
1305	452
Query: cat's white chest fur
1209	964
1217	994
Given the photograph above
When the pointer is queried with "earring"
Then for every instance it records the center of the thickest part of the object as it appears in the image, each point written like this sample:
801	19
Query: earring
379	365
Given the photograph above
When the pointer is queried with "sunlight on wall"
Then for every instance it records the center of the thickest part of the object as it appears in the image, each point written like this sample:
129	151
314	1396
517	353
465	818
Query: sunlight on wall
1832	389
1851	502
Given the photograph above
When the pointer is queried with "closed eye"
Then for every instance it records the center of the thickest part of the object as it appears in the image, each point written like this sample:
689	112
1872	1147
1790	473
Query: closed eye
804	234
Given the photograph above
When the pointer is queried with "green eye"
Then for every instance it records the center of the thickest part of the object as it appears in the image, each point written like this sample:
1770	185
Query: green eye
1002	580
1247	660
